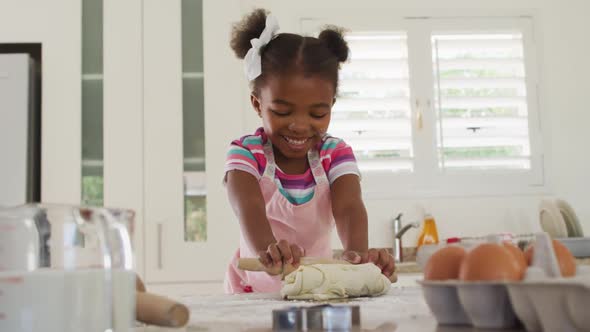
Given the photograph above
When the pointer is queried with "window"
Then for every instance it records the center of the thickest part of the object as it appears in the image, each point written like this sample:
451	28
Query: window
373	111
480	101
437	103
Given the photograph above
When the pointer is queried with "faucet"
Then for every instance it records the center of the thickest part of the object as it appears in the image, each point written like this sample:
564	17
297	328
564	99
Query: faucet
398	232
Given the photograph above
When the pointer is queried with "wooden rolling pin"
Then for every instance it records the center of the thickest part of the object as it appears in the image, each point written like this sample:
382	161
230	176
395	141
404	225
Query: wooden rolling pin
253	264
157	310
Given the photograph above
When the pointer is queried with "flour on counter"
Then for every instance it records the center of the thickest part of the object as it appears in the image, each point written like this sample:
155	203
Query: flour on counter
334	281
249	312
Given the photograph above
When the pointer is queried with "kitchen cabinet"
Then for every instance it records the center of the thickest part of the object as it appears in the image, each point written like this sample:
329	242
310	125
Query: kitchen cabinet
138	78
187	227
131	74
160	59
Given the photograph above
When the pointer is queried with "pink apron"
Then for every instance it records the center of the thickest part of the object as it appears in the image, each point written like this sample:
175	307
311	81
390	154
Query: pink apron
308	225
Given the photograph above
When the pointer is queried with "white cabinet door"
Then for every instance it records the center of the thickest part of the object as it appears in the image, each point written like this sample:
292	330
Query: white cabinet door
123	114
15	79
154	149
180	128
56	25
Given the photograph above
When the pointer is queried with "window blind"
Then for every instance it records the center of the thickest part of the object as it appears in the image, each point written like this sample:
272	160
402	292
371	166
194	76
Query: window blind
372	112
480	101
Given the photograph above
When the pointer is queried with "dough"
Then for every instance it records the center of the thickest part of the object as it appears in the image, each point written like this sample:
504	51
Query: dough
334	281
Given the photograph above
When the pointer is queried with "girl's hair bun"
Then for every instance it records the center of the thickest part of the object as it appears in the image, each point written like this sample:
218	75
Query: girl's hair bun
333	38
248	28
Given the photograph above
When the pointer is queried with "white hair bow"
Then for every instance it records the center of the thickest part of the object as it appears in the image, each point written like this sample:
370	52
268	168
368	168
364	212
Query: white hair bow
253	61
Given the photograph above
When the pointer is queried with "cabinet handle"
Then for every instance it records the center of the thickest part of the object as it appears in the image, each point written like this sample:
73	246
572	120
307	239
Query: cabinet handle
419	120
159	246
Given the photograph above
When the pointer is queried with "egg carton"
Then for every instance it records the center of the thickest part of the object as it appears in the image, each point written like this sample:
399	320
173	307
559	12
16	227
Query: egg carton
542	301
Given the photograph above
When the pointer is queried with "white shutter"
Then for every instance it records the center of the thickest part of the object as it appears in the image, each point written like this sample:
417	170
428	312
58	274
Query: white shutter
372	112
439	105
480	101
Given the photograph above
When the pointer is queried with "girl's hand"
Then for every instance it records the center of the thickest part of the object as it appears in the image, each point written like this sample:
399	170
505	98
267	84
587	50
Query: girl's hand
383	259
380	257
279	254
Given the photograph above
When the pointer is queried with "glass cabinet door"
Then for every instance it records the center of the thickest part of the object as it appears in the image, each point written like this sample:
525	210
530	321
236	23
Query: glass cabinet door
92	102
193	109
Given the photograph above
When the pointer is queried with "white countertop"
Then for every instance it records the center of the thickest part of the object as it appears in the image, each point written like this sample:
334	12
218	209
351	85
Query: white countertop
402	309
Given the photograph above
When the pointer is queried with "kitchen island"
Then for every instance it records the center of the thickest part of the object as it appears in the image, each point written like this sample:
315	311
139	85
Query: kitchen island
402	309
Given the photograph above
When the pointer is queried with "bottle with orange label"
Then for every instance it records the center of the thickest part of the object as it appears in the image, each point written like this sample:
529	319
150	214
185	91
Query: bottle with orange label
429	234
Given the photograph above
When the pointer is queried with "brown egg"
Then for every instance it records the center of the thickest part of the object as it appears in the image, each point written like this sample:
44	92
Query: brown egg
565	259
490	262
444	264
517	253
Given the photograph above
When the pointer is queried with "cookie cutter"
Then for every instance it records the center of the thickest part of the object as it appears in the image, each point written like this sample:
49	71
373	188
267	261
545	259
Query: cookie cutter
323	317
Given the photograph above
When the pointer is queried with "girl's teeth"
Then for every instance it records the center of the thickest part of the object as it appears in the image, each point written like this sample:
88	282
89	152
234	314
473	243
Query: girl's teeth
296	142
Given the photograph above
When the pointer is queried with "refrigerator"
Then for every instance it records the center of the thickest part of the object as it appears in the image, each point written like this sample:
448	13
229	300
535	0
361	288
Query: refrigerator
19	131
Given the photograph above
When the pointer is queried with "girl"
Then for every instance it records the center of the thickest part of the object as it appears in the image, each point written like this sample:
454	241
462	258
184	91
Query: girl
290	182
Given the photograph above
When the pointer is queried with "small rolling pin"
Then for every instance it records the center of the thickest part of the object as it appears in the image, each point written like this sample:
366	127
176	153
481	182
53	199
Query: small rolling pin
253	264
158	310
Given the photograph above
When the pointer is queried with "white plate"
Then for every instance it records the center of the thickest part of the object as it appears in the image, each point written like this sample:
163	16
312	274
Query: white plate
570	218
551	219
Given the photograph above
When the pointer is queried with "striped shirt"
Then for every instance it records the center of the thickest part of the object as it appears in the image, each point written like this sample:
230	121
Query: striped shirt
337	159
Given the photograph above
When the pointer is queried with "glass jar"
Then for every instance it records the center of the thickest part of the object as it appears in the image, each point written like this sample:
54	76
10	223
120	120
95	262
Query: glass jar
66	268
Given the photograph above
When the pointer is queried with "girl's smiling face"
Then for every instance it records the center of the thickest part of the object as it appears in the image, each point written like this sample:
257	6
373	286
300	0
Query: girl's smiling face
295	112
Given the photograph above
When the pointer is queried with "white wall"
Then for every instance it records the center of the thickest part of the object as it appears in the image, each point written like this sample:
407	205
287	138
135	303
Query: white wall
563	47
565	100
